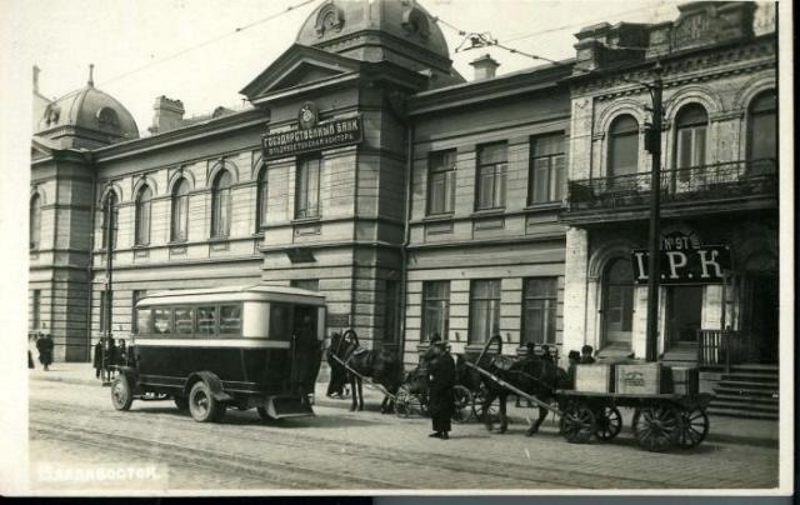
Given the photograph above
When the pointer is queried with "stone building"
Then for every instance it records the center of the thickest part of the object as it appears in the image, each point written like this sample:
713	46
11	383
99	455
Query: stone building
365	167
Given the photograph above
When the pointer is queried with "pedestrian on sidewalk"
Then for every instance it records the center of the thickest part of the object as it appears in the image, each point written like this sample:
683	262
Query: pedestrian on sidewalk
441	381
45	347
97	362
111	358
122	353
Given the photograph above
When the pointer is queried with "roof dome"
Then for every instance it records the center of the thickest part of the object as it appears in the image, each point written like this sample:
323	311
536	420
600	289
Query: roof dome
87	118
401	31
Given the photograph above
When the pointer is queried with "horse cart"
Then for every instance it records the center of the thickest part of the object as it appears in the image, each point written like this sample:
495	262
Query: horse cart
659	422
412	398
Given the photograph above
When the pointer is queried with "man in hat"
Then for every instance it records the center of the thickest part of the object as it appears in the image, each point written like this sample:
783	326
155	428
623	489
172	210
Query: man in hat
441	380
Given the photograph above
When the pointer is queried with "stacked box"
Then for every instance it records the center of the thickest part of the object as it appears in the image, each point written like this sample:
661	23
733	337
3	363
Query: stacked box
638	379
594	378
685	380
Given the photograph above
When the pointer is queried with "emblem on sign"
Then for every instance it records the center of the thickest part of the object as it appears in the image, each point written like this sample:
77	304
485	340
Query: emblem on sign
307	117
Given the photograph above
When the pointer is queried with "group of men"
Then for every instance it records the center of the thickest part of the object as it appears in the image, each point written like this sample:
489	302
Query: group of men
107	355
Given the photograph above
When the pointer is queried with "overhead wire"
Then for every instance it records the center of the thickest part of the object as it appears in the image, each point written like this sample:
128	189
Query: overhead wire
210	41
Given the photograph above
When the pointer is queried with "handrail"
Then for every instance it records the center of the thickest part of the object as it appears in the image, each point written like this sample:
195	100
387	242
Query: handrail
718	347
734	178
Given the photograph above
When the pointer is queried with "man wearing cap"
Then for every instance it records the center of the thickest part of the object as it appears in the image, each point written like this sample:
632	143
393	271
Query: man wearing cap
441	380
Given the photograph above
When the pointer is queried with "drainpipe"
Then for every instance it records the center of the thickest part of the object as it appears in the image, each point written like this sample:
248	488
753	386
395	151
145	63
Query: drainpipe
90	268
406	235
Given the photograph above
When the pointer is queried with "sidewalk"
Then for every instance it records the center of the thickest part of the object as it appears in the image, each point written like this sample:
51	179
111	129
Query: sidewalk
722	429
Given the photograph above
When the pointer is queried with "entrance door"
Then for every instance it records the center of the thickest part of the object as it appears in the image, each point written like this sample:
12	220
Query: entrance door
618	303
761	315
684	311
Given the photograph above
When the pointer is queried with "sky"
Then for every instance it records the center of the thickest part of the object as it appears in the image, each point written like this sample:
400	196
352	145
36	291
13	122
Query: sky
191	49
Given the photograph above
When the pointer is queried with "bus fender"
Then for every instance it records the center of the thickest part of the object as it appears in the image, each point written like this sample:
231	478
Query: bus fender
131	375
213	382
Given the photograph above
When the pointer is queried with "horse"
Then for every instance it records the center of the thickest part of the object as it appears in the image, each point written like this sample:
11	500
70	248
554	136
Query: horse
532	374
382	367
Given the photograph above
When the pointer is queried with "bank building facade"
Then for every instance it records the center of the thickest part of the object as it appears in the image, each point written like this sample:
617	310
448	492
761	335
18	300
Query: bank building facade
365	167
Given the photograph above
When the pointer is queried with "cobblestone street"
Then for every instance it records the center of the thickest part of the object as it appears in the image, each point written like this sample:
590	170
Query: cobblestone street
75	426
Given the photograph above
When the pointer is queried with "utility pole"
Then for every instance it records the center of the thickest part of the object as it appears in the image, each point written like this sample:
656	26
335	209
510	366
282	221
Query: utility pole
653	145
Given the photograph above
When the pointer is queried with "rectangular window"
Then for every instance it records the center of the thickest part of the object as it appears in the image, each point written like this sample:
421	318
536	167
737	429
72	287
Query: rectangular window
136	295
492	163
307	188
547	178
484	311
442	182
184	321
230	319
540	299
143	319
307	284
161	321
435	309
280	321
37	309
206	320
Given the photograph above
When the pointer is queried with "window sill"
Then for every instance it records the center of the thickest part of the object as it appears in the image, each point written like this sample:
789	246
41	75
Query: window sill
489	212
544	206
219	239
140	246
177	242
304	220
438	218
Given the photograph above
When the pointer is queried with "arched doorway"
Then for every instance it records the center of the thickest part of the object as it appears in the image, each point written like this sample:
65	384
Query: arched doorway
617	312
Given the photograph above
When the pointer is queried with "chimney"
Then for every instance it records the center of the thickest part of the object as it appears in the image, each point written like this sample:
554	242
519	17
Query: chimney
485	67
36	71
168	115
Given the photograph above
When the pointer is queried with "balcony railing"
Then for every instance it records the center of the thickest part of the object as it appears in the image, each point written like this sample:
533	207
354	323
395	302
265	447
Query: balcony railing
738	179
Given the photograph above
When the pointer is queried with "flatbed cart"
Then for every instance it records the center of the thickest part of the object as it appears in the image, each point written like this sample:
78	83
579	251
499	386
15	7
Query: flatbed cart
660	421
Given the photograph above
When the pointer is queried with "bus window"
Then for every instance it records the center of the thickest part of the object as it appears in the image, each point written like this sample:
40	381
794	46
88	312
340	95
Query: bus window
280	321
184	321
161	321
206	320
230	319
143	320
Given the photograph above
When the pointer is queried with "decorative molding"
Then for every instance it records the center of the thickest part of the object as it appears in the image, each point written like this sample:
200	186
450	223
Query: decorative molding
330	18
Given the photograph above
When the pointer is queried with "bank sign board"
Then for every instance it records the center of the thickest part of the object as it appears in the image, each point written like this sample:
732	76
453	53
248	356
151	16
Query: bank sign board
705	264
336	133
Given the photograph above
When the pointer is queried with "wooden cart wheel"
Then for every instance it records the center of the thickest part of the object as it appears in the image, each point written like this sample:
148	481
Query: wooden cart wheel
492	411
462	403
657	428
608	421
694	429
578	424
402	402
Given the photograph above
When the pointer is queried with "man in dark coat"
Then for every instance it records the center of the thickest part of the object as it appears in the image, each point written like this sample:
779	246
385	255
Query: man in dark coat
45	347
98	358
441	380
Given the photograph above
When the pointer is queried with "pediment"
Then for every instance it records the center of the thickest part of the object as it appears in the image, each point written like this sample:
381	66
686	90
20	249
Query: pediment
299	67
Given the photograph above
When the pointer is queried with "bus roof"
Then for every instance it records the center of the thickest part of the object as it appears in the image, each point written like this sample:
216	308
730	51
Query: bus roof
252	292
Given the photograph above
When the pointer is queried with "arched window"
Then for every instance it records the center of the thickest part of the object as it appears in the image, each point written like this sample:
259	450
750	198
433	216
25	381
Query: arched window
691	127
143	207
36	221
762	138
221	205
110	219
623	146
180	211
261	200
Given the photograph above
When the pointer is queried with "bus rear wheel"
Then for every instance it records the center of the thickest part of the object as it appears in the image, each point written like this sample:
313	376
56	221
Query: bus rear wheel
203	406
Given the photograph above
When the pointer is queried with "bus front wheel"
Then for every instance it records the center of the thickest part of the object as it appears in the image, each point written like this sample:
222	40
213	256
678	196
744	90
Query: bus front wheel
203	406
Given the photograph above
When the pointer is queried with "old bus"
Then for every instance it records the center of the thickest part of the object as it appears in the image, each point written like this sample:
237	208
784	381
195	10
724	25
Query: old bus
210	349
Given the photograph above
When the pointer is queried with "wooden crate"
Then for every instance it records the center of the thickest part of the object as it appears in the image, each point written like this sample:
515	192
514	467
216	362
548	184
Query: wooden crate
684	380
638	379
594	378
